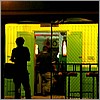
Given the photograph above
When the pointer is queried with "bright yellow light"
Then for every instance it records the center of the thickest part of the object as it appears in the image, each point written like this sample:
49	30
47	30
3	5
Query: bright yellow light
36	49
64	48
89	37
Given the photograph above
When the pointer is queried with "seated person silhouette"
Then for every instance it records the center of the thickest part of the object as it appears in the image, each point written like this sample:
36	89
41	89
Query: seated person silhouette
20	55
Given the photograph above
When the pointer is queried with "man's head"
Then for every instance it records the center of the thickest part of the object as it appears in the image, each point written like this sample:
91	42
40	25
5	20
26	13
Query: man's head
45	48
20	41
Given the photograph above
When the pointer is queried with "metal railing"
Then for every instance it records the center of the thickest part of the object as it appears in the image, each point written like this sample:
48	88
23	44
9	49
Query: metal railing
73	72
78	72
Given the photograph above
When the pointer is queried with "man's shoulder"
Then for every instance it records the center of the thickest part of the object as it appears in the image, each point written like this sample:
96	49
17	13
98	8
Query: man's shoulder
22	48
25	47
26	50
14	49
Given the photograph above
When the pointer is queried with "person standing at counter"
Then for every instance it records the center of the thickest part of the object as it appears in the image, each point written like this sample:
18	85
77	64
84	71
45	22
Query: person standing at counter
45	67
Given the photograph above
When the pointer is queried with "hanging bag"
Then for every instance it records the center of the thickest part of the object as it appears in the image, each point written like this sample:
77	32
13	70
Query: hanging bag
9	70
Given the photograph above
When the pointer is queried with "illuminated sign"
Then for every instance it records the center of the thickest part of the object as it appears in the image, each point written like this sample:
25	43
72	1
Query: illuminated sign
36	49
64	48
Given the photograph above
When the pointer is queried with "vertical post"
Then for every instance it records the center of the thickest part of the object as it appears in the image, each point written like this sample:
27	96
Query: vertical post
51	62
93	88
68	87
65	78
2	60
80	81
2	81
75	68
90	67
97	82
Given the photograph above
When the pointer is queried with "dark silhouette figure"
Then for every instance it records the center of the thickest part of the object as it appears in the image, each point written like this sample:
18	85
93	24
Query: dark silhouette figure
44	60
20	56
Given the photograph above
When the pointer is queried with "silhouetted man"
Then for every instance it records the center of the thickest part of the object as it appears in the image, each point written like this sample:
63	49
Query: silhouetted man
45	68
20	56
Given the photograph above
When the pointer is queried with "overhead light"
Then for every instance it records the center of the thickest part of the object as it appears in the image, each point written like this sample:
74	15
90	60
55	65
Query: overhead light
78	20
28	21
86	20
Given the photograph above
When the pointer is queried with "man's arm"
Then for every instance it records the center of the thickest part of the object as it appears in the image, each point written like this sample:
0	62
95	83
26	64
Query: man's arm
12	56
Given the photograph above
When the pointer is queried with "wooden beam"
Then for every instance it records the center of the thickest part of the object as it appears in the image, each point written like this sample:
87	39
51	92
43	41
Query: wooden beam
45	12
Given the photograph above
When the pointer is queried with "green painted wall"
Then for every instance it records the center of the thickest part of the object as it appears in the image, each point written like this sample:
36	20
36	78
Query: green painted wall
74	50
